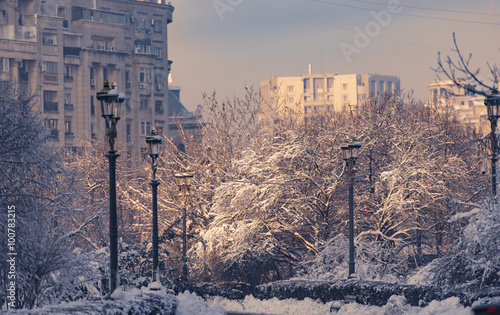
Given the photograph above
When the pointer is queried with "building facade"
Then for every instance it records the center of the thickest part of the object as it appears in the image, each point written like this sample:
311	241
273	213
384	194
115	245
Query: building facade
470	106
64	50
303	95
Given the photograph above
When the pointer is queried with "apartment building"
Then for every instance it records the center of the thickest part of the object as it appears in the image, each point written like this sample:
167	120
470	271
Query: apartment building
470	106
64	50
303	95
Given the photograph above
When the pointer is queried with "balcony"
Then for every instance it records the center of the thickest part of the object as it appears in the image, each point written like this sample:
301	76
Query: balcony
50	77
50	107
68	106
54	134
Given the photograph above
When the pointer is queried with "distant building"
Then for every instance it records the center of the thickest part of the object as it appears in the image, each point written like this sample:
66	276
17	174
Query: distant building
470	106
303	95
65	49
179	116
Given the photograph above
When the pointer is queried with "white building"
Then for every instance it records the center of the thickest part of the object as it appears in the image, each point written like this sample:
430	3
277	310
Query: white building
305	94
470	106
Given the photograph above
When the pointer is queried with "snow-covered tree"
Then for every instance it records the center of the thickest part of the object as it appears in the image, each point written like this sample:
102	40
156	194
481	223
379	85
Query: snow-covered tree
38	190
289	196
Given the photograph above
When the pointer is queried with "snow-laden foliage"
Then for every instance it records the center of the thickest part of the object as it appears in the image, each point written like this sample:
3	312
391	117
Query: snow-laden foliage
265	228
34	183
373	262
474	261
289	194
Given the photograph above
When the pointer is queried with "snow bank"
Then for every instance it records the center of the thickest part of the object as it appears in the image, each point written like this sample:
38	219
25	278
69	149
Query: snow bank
395	305
191	304
128	302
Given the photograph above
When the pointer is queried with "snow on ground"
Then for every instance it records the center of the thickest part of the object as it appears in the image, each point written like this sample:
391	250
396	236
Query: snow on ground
190	304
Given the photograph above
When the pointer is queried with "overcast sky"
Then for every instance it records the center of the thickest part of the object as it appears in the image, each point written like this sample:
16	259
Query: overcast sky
223	45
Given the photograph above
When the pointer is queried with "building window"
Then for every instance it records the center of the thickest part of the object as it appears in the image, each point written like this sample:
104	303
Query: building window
157	52
61	11
68	73
129	132
344	86
67	128
145	128
49	38
103	44
140	23
345	98
127	79
92	77
372	87
159	107
329	84
290	88
157	78
145	75
157	25
4	64
381	87
142	46
67	100
290	100
50	101
128	108
389	87
51	124
50	67
307	84
92	106
159	127
144	101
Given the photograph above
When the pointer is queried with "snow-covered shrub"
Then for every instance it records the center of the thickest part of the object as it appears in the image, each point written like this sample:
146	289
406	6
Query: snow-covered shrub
372	261
474	261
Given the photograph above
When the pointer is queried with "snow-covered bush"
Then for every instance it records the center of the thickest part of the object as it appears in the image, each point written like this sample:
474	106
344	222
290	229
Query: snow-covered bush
372	262
474	261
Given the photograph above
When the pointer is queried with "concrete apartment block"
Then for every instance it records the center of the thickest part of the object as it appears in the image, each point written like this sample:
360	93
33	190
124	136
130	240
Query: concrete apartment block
63	50
302	95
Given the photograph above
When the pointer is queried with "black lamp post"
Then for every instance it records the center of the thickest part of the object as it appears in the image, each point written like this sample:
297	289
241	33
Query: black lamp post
492	103
350	153
184	182
111	103
154	142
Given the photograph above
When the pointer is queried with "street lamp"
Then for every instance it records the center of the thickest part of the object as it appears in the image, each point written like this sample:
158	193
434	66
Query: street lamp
184	180
111	102
154	142
492	103
350	153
